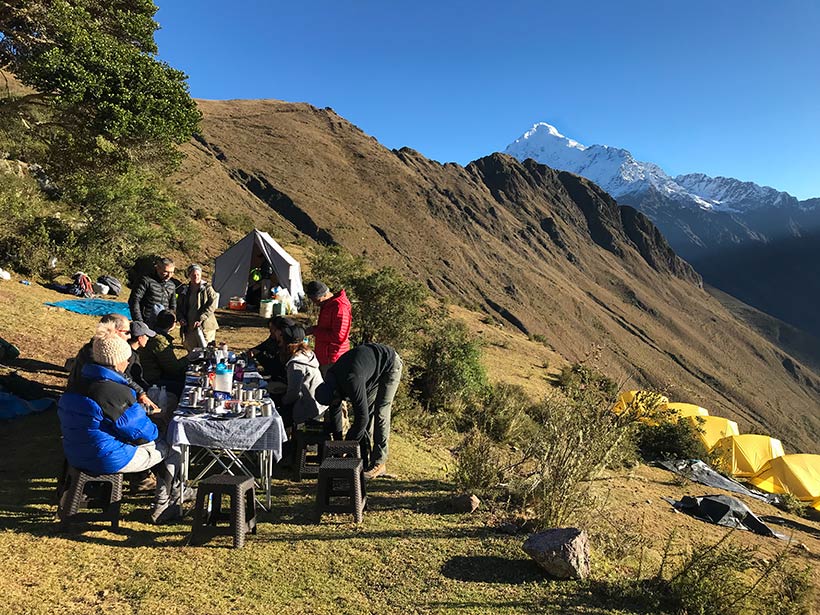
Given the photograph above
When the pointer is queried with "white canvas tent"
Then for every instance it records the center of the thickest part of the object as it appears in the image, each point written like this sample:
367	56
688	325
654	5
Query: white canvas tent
232	267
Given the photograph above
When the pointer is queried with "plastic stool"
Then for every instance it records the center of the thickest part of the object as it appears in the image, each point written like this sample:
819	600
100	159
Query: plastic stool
341	479
308	451
72	497
342	448
242	514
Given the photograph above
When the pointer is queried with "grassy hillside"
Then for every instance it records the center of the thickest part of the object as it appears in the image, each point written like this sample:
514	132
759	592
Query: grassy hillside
411	554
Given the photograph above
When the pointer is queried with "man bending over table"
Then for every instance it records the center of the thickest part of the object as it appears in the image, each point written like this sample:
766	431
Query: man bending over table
106	431
368	377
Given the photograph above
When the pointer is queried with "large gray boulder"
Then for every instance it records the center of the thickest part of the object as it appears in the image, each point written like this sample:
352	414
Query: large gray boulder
562	552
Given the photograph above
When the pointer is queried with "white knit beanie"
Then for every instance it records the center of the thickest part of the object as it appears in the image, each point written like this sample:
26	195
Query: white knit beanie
110	349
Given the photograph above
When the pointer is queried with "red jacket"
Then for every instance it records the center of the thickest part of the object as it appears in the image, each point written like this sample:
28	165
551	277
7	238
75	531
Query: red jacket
333	329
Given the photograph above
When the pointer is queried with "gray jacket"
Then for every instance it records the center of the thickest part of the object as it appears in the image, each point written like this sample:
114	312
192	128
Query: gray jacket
303	378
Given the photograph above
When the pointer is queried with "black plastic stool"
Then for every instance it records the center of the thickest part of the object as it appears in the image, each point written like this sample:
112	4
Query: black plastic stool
341	488
74	496
342	448
242	514
308	451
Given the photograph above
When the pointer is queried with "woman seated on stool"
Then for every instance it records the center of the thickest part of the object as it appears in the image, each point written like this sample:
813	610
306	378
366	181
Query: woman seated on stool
106	431
298	404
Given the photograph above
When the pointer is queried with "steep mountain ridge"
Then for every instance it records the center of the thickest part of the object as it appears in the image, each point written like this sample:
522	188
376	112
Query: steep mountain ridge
709	221
548	252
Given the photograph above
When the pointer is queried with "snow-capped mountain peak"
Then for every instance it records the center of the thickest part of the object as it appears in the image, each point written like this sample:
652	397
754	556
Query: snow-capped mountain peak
617	172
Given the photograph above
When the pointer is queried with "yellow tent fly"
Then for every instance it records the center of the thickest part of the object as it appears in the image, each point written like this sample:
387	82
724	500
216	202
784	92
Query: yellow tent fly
795	474
745	455
682	410
642	403
713	428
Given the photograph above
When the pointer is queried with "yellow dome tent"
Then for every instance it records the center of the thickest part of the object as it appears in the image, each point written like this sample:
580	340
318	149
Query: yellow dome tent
745	455
682	410
795	474
713	428
641	402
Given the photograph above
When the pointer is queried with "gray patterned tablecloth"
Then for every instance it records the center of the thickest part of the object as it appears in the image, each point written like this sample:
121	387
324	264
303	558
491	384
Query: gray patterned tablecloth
257	434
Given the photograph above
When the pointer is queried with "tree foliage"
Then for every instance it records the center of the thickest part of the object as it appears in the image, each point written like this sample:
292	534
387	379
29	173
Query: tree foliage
101	99
98	125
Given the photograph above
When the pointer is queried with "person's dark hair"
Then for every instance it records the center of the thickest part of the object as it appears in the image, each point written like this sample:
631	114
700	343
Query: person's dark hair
164	262
165	320
281	322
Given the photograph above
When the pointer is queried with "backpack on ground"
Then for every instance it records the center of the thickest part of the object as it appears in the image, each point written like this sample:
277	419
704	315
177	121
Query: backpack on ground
113	284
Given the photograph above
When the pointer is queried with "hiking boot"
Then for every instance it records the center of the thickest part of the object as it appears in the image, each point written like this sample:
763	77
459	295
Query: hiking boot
165	513
376	470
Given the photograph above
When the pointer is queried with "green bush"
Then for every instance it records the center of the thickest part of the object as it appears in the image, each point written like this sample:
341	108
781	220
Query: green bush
387	308
451	374
501	413
478	464
719	579
670	440
579	377
336	267
575	437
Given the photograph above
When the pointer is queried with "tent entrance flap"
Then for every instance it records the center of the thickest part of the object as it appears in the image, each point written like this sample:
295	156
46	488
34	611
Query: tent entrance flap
257	250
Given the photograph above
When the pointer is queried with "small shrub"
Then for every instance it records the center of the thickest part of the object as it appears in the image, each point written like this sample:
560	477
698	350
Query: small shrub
670	440
575	438
451	374
233	220
502	413
541	339
579	377
721	579
478	464
790	503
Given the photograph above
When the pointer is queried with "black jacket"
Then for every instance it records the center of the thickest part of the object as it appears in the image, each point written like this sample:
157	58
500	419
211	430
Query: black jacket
150	292
358	373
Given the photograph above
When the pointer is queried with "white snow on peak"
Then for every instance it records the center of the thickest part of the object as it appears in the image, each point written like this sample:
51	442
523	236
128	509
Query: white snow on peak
616	171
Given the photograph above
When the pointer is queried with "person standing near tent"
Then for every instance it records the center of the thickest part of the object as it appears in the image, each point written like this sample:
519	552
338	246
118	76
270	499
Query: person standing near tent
196	309
154	293
332	329
331	335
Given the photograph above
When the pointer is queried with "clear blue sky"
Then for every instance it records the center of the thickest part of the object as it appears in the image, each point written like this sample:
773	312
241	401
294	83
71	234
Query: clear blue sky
723	87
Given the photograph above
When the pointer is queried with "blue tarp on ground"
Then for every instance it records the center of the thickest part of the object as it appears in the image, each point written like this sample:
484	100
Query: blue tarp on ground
93	307
12	406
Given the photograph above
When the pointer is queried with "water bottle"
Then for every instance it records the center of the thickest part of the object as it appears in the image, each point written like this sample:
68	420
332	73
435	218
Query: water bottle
223	378
162	401
239	371
153	394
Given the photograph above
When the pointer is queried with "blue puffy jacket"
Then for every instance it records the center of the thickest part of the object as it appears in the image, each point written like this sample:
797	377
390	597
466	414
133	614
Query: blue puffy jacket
102	423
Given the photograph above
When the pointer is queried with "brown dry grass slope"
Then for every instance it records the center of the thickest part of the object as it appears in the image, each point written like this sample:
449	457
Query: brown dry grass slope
547	252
